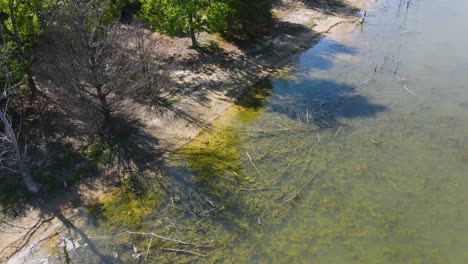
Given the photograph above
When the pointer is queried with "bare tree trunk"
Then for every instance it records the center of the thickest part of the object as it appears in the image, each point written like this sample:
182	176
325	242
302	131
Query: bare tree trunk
140	40
23	166
104	105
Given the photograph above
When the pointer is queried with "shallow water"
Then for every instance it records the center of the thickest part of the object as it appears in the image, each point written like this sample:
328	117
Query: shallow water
359	154
364	146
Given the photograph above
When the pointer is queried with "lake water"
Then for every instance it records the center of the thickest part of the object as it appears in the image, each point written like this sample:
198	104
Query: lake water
357	154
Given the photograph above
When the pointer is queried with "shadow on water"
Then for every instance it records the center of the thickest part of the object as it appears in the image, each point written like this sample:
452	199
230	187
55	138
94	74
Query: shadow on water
323	102
321	55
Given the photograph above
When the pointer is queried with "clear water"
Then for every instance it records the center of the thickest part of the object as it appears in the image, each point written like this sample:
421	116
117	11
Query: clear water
359	155
378	173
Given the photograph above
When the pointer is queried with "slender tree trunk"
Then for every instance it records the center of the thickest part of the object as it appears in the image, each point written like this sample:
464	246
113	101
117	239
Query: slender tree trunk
143	58
192	32
105	110
22	165
19	46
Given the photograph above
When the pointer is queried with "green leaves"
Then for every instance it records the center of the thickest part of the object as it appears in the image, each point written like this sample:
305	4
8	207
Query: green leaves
26	18
171	16
234	17
217	15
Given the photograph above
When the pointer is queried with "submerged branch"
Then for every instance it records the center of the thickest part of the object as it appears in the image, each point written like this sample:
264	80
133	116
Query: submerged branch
296	193
408	90
143	234
184	251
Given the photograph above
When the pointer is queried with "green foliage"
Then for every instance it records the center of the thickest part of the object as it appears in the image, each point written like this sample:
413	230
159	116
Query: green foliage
99	13
26	15
174	17
234	17
20	22
11	62
217	15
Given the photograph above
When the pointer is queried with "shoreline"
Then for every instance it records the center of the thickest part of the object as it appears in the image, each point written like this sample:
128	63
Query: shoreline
206	105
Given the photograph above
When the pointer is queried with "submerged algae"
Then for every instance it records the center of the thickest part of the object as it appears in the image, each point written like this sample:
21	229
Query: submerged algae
216	152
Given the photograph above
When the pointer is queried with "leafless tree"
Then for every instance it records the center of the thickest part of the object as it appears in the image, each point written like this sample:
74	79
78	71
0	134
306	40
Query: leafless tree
12	159
96	60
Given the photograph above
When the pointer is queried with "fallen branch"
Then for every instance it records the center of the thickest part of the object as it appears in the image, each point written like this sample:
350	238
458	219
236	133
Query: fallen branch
143	234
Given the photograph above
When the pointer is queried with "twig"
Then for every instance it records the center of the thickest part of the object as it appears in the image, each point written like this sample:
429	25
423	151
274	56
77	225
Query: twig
318	138
259	189
151	240
361	21
295	194
253	164
184	251
289	164
372	211
408	90
393	184
251	161
336	134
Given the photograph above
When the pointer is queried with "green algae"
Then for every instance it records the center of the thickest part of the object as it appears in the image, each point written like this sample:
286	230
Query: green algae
121	210
216	153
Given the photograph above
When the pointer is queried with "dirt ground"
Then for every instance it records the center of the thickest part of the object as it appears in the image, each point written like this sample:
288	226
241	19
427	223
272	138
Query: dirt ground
206	82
